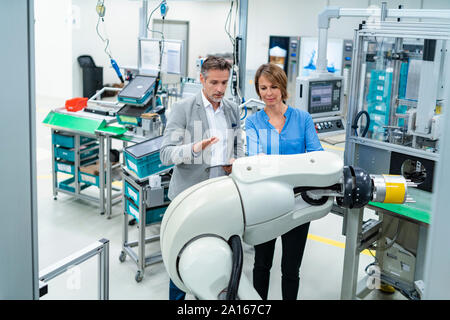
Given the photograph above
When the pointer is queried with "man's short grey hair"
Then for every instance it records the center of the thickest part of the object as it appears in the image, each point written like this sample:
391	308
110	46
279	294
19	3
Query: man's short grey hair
216	63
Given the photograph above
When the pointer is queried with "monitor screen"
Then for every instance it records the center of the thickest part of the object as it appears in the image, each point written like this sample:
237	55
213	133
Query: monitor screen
324	96
321	95
172	61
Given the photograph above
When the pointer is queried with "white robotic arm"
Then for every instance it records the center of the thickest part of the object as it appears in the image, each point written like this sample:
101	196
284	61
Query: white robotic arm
263	198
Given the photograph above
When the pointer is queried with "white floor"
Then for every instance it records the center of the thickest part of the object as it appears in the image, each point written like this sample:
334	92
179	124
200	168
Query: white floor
67	225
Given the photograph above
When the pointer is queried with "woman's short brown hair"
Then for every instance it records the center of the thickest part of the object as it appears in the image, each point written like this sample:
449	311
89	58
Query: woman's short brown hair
275	75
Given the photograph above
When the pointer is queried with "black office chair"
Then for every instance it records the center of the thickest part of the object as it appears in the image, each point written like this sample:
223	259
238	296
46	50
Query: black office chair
92	75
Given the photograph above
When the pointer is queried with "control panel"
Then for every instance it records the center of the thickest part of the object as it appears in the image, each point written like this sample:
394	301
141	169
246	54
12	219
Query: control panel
320	94
329	125
347	64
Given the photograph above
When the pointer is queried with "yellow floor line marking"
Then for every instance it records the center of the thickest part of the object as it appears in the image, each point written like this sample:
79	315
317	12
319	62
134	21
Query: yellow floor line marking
44	176
117	184
329	146
334	243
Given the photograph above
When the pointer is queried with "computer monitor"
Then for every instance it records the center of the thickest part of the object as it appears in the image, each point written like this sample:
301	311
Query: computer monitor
173	60
324	96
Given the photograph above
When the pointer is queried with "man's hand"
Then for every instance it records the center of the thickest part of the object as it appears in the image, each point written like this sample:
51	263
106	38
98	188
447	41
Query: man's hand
201	145
229	168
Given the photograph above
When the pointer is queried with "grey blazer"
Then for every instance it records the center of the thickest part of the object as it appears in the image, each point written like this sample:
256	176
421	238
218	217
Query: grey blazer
187	124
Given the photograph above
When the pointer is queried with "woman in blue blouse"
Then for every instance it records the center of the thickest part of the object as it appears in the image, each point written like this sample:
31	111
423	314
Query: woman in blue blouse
279	129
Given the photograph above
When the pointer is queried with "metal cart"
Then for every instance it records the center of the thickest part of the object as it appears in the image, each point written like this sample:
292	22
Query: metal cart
142	198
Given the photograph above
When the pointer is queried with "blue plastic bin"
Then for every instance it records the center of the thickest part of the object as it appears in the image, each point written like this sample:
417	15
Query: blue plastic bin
89	179
131	192
69	154
143	158
68	141
68	167
67	185
152	215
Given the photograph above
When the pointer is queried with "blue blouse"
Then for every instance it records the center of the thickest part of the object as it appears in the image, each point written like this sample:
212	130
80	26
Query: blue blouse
297	136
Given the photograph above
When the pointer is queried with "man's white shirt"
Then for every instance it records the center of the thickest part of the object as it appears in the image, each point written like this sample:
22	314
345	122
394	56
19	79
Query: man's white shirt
218	128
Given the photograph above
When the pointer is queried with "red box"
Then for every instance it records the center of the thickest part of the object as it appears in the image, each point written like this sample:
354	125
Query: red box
76	104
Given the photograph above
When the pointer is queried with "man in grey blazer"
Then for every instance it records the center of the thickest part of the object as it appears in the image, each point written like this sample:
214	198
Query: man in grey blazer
203	135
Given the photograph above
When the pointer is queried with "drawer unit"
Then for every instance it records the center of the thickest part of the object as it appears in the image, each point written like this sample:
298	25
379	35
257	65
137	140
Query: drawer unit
152	215
68	141
69	167
154	197
68	185
131	192
69	154
89	179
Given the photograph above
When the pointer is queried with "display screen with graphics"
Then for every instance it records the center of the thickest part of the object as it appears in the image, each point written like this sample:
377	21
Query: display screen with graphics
324	96
308	55
321	95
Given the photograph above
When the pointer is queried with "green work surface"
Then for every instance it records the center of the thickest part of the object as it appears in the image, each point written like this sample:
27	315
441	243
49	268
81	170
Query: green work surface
419	210
112	130
126	138
73	123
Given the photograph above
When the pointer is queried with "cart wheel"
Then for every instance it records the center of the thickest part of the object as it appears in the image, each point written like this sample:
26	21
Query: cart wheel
122	256
139	276
55	198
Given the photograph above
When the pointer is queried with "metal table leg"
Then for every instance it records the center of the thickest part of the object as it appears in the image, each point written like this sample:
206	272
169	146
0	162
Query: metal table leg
141	248
54	173
77	164
101	174
108	178
123	253
351	257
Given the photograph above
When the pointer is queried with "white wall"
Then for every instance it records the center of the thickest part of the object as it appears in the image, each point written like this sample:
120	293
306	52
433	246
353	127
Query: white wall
206	27
53	48
122	26
284	18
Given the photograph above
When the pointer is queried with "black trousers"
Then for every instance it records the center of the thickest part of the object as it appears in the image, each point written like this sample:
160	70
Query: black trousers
293	246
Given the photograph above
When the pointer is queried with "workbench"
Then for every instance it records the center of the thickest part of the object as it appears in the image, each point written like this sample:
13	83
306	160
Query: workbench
357	240
82	124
